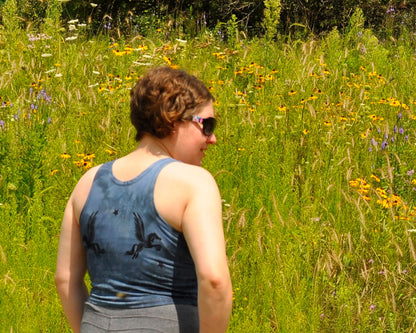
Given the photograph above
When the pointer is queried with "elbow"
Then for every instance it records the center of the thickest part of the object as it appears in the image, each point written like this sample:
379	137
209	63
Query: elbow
61	280
218	285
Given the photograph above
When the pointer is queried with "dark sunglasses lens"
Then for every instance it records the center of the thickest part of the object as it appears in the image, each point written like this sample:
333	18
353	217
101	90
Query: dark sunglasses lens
209	126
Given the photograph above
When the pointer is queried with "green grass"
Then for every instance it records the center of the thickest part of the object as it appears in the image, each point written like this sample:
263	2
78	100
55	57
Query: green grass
314	242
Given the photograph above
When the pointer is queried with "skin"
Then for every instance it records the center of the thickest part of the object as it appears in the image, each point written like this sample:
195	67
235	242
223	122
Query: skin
196	212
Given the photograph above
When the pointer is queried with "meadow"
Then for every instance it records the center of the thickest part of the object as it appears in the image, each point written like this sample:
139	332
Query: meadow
315	162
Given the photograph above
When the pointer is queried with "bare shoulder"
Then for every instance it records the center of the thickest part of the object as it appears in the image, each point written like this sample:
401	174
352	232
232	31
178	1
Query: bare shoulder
188	174
187	184
82	189
87	178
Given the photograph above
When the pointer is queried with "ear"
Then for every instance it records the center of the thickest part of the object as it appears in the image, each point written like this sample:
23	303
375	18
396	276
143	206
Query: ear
176	125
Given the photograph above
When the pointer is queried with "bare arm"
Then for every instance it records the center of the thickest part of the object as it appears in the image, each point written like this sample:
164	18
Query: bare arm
71	269
71	262
203	230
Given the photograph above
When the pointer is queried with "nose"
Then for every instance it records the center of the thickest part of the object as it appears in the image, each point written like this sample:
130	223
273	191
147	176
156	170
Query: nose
212	139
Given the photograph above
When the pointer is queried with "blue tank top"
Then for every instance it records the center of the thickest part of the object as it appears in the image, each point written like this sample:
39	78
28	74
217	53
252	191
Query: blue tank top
135	258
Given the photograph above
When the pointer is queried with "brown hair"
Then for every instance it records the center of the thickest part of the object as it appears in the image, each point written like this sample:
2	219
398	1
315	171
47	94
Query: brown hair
164	96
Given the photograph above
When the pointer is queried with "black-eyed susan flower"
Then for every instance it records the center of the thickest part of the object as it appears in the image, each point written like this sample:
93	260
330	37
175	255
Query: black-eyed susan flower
292	92
118	53
377	179
89	156
65	156
53	172
381	192
110	152
142	47
87	164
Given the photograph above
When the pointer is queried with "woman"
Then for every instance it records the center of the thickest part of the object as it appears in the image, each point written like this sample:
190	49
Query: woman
148	226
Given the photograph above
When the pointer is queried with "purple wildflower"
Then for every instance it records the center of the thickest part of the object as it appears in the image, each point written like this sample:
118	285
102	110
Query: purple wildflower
390	10
2	123
401	130
372	307
384	145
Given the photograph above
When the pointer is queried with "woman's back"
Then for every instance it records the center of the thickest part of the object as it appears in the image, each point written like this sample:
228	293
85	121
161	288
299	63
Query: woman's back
134	257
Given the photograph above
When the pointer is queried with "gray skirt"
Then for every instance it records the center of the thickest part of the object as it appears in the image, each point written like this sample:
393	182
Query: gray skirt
172	318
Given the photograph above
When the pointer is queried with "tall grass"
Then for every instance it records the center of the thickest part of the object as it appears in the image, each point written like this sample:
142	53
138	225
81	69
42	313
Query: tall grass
315	162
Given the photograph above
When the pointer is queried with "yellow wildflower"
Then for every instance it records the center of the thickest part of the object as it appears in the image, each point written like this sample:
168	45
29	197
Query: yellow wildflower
375	178
65	156
110	152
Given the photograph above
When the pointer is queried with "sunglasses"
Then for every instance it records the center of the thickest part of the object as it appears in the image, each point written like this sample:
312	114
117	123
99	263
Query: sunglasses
208	124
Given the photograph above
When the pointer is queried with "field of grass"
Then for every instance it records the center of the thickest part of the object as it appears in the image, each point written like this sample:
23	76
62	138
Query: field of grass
315	162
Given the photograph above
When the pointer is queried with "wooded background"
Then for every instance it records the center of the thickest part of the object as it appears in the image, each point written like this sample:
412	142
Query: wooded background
293	17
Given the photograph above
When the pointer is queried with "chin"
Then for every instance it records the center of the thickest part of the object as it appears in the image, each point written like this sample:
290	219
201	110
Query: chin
196	162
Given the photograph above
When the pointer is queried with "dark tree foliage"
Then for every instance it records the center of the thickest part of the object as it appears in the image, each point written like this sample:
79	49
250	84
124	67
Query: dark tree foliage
190	16
320	16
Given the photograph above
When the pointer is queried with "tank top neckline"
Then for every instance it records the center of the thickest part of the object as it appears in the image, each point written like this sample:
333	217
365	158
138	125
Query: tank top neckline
135	179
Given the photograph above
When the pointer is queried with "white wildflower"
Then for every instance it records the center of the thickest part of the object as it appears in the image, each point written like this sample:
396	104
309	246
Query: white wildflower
73	21
142	63
71	38
46	55
93	5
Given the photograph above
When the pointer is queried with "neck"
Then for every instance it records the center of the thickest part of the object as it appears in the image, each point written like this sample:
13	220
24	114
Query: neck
153	146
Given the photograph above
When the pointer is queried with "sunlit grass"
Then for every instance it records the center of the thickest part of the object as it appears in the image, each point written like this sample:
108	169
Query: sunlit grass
315	162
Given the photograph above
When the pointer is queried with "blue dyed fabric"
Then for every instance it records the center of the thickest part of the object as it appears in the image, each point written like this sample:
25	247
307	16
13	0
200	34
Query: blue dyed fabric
135	259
